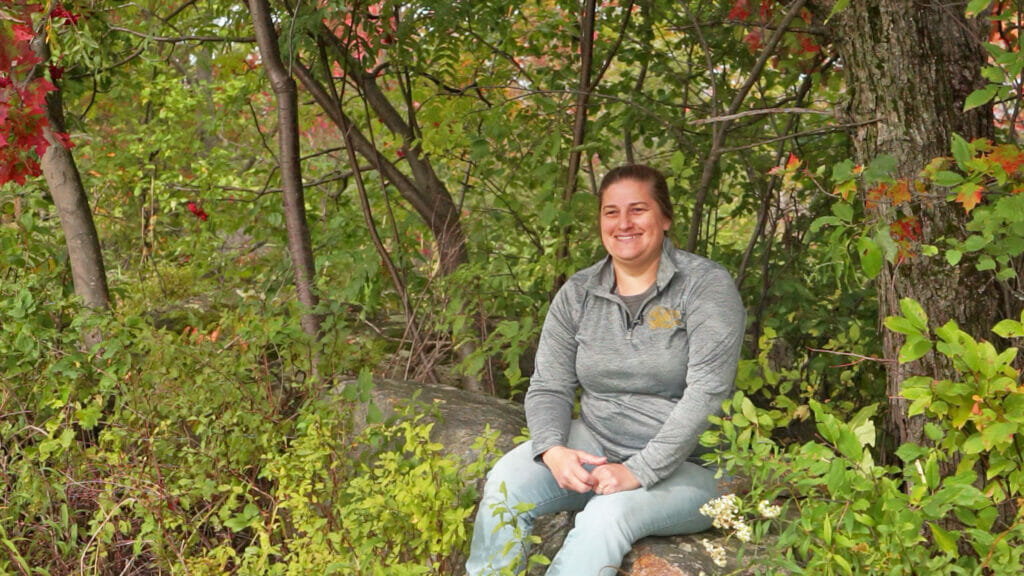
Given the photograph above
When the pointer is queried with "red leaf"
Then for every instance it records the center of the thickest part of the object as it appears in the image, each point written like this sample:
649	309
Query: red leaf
740	10
808	44
60	12
753	40
65	139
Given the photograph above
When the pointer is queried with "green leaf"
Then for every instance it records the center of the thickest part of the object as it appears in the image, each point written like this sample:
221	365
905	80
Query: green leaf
909	452
961	151
913	311
843	210
902	325
915	347
848	444
824	221
953	257
843	171
1009	329
838	7
1006	274
982	96
933	431
747	407
946	540
880	169
974	243
976	7
947	178
870	256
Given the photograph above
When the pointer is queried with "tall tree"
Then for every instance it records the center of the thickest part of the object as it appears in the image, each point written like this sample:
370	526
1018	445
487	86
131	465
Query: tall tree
65	184
907	101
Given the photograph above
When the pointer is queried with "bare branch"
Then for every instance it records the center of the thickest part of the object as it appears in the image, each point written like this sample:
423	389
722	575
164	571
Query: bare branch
761	112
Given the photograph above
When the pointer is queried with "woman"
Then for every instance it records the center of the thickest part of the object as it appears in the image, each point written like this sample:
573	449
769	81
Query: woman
652	336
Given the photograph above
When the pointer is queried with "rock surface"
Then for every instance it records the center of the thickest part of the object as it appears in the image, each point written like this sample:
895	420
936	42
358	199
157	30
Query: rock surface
465	415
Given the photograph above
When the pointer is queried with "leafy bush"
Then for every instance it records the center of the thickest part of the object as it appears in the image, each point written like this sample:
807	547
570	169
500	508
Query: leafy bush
186	453
843	513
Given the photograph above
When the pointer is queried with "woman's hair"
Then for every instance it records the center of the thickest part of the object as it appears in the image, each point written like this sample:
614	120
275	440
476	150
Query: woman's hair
640	173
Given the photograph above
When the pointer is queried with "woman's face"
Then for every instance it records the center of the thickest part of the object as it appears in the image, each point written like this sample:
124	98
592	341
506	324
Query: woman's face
632	224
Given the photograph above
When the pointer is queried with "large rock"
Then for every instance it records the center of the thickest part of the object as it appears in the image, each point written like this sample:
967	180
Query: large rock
465	415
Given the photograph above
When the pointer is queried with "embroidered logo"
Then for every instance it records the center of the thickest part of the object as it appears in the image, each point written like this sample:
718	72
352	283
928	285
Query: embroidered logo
662	318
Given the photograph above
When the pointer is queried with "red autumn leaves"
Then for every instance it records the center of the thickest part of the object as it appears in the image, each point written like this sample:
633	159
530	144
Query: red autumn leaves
198	211
23	96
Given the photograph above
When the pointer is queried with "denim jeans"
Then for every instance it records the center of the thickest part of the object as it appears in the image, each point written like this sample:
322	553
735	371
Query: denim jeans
606	526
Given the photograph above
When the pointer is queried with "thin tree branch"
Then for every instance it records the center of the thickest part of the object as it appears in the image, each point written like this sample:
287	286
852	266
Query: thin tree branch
721	129
761	112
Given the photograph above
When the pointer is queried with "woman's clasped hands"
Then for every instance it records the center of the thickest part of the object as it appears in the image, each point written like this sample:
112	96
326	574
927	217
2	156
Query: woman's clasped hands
568	466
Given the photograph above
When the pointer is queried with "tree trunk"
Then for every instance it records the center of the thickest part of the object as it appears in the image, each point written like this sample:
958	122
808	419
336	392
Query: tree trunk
65	184
909	67
299	243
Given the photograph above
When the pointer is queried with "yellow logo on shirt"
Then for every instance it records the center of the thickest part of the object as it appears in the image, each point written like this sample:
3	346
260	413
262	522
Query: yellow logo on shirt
662	318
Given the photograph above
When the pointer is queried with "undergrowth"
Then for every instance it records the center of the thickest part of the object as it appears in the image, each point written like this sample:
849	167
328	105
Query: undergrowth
210	450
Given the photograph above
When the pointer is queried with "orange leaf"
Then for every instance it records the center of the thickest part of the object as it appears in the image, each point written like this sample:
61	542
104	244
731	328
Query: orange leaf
900	193
969	195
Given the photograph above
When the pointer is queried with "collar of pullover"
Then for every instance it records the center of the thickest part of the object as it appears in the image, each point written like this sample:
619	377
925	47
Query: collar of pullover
602	281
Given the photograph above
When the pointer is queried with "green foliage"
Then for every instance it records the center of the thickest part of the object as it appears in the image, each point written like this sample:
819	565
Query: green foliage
187	452
510	516
937	512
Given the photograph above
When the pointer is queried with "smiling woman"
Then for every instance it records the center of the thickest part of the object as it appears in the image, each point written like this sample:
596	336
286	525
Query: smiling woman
635	215
652	336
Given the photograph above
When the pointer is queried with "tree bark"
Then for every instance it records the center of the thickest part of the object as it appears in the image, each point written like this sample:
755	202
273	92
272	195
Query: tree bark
909	67
65	183
299	243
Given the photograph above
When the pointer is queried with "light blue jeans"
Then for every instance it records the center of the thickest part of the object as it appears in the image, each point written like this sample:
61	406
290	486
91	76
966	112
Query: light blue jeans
605	527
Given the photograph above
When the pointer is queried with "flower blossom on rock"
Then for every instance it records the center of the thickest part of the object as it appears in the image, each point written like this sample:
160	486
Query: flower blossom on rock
722	511
768	510
716	551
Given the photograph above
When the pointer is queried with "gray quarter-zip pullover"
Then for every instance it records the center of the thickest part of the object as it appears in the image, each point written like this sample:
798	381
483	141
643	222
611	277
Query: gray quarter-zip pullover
649	383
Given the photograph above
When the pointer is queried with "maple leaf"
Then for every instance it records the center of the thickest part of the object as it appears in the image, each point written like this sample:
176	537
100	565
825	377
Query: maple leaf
65	139
808	44
22	33
969	194
740	10
753	40
1009	157
900	193
62	13
793	162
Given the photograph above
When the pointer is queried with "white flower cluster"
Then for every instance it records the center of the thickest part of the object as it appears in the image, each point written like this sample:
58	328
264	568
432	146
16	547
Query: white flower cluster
722	510
716	551
724	514
768	510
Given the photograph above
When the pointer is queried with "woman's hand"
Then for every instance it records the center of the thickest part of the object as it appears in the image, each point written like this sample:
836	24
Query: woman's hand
566	465
612	478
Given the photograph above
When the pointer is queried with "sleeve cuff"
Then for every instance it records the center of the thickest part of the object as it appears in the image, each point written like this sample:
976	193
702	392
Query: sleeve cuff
641	471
